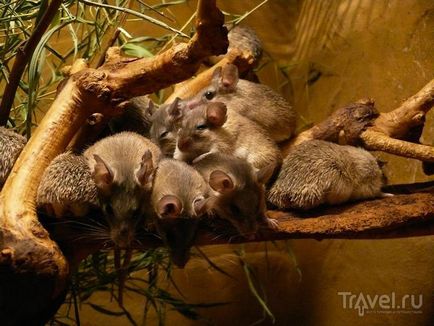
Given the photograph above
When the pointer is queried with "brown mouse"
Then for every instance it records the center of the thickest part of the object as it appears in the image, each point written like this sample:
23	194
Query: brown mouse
136	117
114	174
211	128
122	167
165	124
318	172
238	191
255	101
179	196
11	145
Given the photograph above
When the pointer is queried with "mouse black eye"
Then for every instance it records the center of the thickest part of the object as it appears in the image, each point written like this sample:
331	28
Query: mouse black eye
164	134
209	95
201	127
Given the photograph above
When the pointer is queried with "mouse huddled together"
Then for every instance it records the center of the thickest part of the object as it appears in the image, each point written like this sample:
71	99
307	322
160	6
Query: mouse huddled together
204	160
213	156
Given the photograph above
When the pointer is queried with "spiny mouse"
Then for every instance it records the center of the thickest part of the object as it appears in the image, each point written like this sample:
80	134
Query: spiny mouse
179	196
165	124
238	191
122	167
257	102
318	172
67	187
211	128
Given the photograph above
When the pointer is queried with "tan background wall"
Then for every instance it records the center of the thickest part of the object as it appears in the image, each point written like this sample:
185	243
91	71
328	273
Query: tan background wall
334	52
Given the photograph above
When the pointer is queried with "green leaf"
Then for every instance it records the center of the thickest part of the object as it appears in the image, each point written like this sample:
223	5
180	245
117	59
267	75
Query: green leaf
105	311
135	50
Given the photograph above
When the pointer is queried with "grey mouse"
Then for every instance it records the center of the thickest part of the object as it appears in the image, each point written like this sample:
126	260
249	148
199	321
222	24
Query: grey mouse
115	174
238	191
212	128
165	123
255	101
179	197
122	167
318	172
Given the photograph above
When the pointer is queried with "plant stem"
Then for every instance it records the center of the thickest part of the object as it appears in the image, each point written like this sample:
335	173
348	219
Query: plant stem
22	58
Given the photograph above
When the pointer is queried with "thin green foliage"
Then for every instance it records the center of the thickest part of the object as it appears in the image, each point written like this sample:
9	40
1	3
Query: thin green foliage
82	27
79	30
253	283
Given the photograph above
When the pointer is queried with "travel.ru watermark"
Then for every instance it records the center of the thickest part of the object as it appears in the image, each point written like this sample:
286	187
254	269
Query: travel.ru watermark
382	303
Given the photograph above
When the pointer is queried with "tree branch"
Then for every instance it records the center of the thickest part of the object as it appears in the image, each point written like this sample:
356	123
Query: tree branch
391	217
360	124
28	256
22	58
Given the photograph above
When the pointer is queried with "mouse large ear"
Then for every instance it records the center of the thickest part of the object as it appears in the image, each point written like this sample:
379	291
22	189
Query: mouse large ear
229	78
216	114
146	168
175	110
216	74
169	206
264	174
102	174
150	108
221	182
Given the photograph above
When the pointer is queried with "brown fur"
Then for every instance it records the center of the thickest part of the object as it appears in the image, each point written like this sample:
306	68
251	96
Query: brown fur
243	205
318	172
122	167
238	136
165	124
257	102
178	200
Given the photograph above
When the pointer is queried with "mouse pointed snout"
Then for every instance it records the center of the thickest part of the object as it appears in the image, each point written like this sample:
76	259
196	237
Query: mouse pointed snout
184	143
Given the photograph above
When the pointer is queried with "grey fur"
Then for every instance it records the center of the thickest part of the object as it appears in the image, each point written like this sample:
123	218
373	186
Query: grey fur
68	182
257	102
176	178
248	195
238	136
126	202
11	145
318	172
245	38
164	122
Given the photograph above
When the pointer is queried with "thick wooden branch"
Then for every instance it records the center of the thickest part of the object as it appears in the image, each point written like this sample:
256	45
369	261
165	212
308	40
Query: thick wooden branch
411	113
360	124
30	262
378	141
117	81
391	217
27	254
22	58
400	216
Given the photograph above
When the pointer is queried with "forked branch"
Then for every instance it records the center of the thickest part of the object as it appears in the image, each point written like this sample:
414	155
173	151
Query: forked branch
30	262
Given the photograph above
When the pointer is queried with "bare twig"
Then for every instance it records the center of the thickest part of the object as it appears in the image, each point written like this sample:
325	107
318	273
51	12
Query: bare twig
360	124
